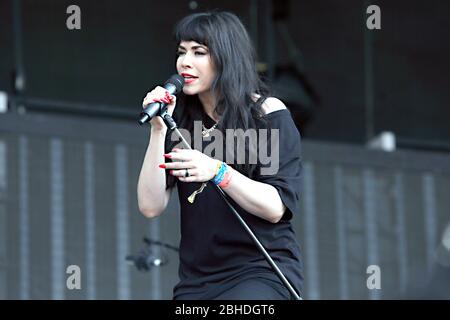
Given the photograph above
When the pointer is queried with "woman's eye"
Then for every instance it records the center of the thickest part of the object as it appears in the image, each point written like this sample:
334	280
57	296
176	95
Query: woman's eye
198	53
179	53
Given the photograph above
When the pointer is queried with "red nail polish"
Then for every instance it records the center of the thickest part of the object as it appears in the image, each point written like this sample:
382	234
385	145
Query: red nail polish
167	156
162	166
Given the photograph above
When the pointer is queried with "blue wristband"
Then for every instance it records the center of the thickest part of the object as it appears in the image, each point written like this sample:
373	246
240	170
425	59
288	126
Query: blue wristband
221	174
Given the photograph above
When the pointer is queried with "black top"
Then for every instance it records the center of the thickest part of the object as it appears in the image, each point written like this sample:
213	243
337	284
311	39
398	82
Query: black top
216	251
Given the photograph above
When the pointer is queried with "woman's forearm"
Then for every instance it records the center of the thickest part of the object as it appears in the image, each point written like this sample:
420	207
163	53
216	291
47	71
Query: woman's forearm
257	198
151	189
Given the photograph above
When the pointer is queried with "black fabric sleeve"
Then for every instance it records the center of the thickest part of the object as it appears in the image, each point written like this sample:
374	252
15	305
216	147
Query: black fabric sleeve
288	179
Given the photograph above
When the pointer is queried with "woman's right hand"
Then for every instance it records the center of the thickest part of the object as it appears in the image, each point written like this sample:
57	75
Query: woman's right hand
159	94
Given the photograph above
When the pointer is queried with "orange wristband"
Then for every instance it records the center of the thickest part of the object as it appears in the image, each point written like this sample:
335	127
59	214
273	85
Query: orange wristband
226	179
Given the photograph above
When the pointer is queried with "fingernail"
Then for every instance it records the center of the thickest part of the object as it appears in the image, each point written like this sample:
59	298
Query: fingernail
167	156
171	172
162	166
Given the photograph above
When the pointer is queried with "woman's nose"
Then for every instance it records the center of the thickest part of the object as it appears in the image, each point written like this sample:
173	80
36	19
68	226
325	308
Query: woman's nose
186	61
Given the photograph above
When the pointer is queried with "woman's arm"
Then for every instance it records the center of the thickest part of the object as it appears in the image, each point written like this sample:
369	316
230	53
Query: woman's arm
151	189
260	199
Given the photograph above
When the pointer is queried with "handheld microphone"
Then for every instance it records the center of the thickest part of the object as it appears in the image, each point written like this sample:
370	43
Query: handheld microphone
174	86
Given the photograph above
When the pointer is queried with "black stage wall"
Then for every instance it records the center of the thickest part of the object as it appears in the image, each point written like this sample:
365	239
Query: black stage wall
362	81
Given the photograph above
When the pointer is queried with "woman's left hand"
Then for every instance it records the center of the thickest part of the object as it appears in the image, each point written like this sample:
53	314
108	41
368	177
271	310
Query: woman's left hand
199	166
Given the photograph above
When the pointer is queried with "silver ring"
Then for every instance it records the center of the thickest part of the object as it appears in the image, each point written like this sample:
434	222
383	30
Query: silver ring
186	173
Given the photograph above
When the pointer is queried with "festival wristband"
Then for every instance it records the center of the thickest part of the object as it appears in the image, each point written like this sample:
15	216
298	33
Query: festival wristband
220	174
226	179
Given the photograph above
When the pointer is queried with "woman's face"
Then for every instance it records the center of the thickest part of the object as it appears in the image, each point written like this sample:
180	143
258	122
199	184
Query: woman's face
195	65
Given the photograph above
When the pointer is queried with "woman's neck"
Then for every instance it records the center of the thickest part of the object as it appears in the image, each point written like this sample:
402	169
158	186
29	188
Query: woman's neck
209	105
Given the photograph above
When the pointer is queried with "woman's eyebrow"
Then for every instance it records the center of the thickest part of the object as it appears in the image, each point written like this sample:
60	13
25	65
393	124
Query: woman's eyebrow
193	47
199	47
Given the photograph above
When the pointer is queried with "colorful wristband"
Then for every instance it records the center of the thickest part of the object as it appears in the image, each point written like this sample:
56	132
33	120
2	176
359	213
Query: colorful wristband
220	174
219	165
226	179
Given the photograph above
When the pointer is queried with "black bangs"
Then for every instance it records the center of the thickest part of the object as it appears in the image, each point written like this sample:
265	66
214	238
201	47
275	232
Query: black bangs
193	28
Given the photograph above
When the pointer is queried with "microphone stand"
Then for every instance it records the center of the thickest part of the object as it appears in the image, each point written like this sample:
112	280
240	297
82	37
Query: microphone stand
171	125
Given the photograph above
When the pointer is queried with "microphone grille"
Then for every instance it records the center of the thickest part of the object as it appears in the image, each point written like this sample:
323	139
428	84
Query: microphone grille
177	81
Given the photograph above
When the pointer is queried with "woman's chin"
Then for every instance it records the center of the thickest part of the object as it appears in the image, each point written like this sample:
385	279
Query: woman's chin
189	92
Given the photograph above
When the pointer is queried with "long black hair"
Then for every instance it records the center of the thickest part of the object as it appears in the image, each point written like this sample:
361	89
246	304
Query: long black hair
236	82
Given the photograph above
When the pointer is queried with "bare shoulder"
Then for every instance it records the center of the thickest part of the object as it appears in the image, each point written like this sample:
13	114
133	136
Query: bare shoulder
272	104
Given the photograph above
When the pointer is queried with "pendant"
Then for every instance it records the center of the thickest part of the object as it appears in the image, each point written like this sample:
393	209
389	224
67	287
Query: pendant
191	198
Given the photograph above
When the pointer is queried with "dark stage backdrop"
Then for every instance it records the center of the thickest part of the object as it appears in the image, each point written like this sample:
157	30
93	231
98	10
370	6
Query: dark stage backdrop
124	49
